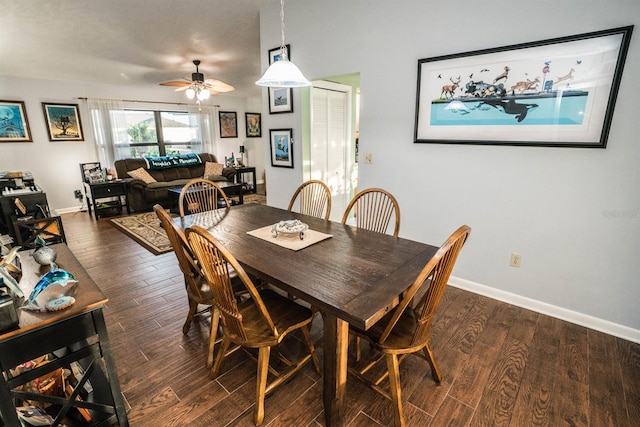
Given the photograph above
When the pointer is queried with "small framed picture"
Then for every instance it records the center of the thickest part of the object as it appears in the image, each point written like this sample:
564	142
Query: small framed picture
254	124
281	148
280	98
228	124
14	126
63	122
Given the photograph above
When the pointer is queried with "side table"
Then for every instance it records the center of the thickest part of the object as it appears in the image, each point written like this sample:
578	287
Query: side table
105	196
250	186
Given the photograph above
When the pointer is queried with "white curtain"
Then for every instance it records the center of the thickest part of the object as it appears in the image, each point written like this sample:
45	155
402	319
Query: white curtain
204	119
109	128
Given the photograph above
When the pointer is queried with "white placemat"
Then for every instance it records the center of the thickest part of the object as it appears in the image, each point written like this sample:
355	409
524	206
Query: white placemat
293	243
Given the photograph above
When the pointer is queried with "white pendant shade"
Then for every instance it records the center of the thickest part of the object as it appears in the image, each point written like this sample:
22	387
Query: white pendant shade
283	73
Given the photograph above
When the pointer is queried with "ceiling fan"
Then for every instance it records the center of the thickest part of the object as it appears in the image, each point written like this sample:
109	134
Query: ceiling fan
198	86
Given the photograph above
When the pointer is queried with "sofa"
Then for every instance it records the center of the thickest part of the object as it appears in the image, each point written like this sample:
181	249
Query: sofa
139	175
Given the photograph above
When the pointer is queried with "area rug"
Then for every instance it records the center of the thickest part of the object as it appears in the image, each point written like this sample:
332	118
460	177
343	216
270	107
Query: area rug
145	227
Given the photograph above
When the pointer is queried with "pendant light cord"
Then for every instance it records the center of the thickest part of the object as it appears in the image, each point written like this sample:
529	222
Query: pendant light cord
283	48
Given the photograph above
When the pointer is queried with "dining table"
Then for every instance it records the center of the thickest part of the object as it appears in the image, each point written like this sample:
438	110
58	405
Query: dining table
352	276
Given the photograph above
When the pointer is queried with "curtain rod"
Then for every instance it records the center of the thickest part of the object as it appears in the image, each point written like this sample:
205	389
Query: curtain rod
145	102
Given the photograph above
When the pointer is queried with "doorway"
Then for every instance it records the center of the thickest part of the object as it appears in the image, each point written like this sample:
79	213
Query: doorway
332	151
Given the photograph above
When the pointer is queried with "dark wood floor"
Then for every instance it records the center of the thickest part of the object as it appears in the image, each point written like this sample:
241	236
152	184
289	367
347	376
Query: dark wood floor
502	365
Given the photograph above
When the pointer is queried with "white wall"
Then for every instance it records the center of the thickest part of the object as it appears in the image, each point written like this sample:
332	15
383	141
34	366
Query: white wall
573	214
55	165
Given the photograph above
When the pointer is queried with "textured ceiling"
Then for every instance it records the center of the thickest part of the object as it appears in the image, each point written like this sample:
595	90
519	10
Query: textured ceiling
132	42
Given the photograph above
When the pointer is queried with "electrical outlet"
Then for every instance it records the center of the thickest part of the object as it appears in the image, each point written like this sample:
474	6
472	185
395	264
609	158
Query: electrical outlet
516	259
368	158
77	194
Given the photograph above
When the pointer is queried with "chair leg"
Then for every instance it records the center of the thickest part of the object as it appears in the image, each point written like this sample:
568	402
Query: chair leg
396	394
263	371
435	372
312	350
222	352
213	333
193	308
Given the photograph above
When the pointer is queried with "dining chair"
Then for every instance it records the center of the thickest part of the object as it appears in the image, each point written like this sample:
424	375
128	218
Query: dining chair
200	195
198	291
314	199
373	209
259	322
407	329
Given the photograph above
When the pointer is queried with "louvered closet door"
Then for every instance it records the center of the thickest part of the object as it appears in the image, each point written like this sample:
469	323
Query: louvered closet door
330	145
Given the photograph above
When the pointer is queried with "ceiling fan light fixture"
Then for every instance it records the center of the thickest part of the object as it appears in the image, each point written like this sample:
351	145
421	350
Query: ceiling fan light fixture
203	94
283	73
191	93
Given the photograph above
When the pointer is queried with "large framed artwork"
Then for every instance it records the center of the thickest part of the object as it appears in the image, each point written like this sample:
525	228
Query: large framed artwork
280	98
557	93
63	122
253	122
281	148
14	125
228	124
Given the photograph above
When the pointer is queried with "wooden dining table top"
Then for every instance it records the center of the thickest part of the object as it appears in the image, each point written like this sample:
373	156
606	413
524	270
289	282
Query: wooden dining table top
356	275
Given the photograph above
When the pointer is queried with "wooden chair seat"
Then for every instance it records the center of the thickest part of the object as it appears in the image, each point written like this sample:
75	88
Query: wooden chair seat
286	318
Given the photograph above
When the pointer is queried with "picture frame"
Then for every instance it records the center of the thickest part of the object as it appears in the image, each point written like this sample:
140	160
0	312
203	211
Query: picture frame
280	98
253	124
91	172
63	122
281	142
14	124
228	124
555	93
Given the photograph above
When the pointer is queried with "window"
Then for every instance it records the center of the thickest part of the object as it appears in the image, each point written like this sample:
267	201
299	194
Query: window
158	133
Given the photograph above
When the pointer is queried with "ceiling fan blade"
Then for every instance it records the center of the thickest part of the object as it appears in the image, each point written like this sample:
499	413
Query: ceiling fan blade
180	89
218	86
176	83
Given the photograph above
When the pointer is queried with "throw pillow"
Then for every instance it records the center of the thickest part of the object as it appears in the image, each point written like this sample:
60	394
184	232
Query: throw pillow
142	175
211	168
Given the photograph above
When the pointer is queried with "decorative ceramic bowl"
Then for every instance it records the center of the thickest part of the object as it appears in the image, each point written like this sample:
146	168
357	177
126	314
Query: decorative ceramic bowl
290	228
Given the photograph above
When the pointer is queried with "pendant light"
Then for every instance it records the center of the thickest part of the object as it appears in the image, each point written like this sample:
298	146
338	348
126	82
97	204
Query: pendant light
283	73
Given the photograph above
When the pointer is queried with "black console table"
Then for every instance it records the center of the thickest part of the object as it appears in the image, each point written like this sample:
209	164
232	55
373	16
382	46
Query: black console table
104	197
249	186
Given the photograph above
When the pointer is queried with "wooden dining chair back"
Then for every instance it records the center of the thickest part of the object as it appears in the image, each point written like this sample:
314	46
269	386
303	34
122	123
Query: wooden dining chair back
200	195
198	290
260	322
314	198
407	329
373	209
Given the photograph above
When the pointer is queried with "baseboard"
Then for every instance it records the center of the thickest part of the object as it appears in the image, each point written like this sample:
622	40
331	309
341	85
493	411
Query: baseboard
71	210
581	319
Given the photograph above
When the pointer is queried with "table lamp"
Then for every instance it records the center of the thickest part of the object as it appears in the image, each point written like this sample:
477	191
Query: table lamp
242	156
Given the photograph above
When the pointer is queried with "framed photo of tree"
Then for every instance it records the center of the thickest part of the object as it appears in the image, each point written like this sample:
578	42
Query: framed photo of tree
63	122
